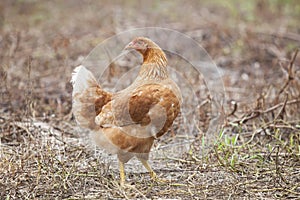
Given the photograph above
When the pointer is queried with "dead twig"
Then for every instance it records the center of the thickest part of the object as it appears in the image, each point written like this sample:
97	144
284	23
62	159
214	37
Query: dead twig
285	35
255	113
251	115
24	128
290	73
294	101
281	111
235	106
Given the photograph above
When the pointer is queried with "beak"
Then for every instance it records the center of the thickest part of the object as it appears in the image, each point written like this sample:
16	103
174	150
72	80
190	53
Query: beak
129	46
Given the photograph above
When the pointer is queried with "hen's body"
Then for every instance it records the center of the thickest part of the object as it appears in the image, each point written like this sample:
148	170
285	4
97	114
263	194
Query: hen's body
127	122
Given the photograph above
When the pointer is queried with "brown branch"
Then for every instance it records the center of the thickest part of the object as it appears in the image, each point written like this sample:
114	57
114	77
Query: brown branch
290	73
286	35
255	113
234	108
282	108
281	104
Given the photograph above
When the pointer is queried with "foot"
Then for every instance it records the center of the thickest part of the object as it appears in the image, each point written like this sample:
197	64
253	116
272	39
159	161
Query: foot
152	173
156	179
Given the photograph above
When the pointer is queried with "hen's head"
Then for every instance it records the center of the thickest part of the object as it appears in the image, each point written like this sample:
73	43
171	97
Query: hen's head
142	45
147	48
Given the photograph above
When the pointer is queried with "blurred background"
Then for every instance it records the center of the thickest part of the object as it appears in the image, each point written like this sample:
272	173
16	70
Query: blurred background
42	41
50	38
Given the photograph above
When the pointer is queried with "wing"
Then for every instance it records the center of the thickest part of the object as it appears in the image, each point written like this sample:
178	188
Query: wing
148	109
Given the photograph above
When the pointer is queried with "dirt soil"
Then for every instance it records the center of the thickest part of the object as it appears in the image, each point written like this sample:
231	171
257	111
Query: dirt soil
255	152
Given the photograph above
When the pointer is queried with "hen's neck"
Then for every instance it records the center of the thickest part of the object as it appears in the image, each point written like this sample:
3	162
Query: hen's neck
154	65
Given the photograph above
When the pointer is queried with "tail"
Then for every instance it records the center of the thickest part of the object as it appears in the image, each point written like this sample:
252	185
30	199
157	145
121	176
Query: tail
88	97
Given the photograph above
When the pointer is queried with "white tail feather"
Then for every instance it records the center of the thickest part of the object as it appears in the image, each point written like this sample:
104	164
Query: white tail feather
82	79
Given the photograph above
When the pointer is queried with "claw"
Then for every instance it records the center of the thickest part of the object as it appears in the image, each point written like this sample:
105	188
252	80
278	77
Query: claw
152	173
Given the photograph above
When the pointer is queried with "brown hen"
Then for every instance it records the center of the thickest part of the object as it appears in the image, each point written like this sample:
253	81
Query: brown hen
127	122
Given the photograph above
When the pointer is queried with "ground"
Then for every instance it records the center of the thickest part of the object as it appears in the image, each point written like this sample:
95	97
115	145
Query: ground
255	152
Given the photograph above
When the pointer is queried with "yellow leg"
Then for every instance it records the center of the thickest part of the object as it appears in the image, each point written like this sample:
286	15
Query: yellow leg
148	167
152	173
122	173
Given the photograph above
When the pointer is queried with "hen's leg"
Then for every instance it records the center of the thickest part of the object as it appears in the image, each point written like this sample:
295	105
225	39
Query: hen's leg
152	173
148	167
122	173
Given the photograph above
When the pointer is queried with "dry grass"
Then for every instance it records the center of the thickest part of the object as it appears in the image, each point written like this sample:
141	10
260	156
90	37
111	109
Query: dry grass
256	155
